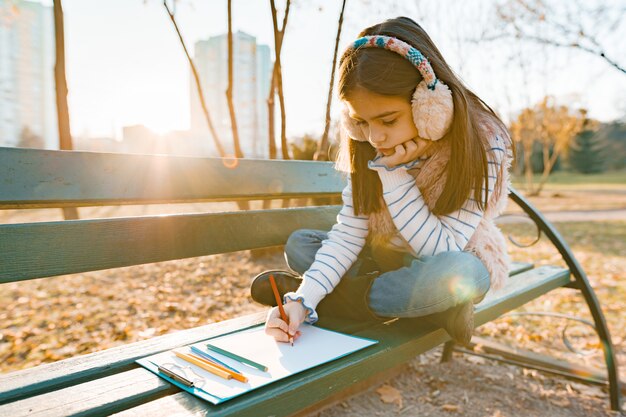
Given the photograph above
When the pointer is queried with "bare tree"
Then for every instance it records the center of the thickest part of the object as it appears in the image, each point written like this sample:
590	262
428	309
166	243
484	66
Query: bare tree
270	114
276	85
554	127
582	25
63	114
321	154
216	139
229	91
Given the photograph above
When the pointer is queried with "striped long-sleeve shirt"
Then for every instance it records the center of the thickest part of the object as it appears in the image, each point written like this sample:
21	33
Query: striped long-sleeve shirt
424	232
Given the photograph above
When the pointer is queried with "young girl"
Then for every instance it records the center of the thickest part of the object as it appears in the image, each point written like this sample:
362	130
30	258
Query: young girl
428	171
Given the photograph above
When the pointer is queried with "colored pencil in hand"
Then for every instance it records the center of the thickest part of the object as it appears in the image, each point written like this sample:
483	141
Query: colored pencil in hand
279	302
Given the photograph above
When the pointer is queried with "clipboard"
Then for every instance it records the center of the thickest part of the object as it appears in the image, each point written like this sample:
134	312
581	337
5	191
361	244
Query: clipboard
315	346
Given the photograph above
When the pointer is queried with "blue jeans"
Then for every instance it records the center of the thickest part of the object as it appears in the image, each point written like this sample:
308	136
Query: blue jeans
396	284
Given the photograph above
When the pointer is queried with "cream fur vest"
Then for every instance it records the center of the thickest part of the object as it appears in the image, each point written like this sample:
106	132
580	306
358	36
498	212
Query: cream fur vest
487	242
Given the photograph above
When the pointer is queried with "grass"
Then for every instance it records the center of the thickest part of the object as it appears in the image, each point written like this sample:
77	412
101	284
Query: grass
560	199
615	180
567	191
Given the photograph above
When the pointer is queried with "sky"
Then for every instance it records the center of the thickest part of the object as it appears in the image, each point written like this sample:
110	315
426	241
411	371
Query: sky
125	64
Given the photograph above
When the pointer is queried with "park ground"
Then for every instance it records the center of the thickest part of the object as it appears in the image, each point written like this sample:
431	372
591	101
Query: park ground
46	320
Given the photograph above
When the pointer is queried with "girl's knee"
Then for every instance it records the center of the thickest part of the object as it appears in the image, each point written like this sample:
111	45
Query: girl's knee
301	248
301	237
300	240
464	262
463	274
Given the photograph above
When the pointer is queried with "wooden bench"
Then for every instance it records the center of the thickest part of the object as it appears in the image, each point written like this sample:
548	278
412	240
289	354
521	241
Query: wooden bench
109	381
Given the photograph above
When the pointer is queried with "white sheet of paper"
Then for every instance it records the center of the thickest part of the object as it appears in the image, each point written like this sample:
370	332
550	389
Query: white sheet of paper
314	347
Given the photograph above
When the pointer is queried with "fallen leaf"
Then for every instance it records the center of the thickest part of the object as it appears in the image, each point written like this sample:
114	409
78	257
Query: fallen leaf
475	360
589	390
389	395
451	408
560	402
492	377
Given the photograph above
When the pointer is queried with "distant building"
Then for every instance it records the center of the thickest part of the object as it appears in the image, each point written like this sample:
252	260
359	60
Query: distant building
251	82
27	104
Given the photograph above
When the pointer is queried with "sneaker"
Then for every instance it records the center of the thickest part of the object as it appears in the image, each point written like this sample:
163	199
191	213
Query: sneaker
261	289
457	321
460	323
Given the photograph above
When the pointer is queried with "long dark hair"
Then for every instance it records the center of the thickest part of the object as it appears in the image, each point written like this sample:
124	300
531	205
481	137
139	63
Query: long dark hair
387	73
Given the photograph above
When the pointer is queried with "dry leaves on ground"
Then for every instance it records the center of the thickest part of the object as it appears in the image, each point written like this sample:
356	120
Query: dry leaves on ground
390	395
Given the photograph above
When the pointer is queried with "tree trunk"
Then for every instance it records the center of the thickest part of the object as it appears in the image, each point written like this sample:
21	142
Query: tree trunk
528	152
322	147
243	205
283	122
549	162
272	140
278	43
270	113
205	110
229	91
277	77
63	114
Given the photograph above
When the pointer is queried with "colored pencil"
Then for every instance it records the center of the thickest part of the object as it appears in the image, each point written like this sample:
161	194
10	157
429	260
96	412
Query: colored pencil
279	302
235	375
237	357
207	367
205	355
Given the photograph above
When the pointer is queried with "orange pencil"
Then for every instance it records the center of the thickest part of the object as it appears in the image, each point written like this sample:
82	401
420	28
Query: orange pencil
283	315
210	368
235	375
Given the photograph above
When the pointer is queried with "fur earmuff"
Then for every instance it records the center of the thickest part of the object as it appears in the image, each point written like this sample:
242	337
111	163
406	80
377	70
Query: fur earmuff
432	110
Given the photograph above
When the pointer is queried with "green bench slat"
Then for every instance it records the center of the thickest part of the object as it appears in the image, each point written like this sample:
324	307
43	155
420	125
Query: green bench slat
34	250
99	397
517	267
32	178
545	279
400	341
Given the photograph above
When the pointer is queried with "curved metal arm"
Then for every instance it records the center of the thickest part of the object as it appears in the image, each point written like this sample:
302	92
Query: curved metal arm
582	283
512	239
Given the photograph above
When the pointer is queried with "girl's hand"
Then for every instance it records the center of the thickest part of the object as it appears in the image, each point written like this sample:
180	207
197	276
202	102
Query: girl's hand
406	152
278	329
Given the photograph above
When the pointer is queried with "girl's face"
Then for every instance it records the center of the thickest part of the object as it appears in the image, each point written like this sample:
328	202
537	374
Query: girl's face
387	121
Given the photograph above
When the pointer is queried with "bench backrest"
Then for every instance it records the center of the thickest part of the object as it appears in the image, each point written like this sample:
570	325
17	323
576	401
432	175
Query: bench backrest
32	178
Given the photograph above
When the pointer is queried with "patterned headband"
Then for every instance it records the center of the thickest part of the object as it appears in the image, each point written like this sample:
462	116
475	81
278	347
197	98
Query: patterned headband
402	48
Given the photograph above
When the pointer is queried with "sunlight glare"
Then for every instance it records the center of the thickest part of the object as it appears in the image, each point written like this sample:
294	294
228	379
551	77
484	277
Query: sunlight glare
463	289
230	161
276	186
